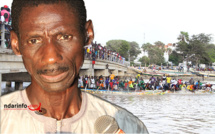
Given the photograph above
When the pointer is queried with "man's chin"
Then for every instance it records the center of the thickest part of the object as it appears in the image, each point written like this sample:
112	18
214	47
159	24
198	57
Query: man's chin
54	88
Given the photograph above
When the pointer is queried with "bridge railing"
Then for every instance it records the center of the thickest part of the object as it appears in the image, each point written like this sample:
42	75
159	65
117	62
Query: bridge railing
107	57
5	35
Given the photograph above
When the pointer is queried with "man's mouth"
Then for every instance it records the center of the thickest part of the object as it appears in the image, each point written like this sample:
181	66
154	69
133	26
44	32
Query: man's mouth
53	74
55	77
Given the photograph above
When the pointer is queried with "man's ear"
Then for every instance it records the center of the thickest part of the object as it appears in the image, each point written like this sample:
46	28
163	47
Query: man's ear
15	43
89	32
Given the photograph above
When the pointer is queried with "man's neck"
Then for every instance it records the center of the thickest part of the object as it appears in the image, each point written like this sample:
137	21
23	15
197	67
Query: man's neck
59	105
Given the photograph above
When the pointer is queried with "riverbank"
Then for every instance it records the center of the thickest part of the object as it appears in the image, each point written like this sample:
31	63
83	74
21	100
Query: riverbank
185	76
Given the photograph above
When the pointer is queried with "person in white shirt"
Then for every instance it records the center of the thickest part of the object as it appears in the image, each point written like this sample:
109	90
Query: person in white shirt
173	83
92	82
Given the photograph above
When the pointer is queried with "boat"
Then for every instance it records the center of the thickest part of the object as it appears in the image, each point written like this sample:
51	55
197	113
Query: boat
146	92
199	73
207	74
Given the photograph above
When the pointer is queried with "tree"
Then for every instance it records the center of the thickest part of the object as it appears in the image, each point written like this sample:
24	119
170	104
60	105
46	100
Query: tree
175	58
198	44
183	37
134	50
195	48
210	49
169	50
122	47
183	45
159	44
156	55
146	46
144	60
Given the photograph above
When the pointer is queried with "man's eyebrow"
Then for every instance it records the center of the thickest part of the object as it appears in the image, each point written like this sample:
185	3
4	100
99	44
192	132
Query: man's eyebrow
61	29
58	30
34	34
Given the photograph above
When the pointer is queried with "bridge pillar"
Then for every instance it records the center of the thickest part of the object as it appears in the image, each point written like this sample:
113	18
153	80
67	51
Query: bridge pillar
0	83
8	84
18	85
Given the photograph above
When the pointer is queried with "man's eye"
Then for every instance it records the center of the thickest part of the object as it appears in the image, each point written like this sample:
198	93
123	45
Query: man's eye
64	37
34	41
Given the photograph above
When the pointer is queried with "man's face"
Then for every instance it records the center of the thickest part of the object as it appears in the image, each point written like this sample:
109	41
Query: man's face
51	45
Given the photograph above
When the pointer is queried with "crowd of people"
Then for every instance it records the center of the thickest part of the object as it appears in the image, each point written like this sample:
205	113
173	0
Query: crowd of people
205	69
97	51
5	20
169	83
164	83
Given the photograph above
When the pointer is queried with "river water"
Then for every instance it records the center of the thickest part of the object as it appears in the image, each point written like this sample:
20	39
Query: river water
171	113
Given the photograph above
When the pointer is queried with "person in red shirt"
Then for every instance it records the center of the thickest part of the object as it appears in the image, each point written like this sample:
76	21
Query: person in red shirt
126	84
111	85
179	82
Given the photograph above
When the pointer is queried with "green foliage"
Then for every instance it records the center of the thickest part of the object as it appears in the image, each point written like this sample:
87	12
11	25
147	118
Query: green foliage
156	55
123	47
169	51
155	52
119	46
144	60
194	49
210	49
183	37
198	44
183	45
175	58
146	46
159	44
134	50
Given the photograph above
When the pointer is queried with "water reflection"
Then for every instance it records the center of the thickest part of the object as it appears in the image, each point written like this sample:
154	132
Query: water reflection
177	113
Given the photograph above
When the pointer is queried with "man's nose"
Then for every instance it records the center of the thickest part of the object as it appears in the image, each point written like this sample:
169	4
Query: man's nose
51	53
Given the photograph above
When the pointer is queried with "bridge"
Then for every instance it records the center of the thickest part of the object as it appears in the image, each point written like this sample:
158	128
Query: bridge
12	68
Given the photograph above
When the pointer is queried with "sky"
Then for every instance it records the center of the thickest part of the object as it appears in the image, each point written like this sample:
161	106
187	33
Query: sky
145	21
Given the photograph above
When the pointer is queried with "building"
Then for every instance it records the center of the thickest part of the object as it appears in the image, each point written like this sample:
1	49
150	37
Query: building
168	50
143	53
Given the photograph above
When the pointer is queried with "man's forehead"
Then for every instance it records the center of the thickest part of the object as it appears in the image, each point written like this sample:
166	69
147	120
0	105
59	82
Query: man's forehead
45	9
46	14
